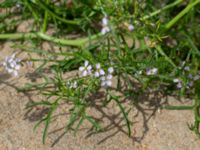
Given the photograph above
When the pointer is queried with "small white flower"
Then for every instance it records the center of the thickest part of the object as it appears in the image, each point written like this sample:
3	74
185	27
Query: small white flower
190	76
109	76
152	71
131	27
191	83
110	70
98	66
179	85
86	69
106	81
176	80
105	21
196	77
103	78
12	65
19	6
187	68
105	30
99	72
96	74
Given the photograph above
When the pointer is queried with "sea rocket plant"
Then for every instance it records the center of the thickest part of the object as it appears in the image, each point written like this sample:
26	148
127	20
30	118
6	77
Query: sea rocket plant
145	60
12	65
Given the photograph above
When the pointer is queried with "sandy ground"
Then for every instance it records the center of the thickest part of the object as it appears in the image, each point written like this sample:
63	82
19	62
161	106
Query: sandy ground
152	129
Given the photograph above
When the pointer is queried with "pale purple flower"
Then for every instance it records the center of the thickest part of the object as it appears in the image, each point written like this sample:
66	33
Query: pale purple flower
110	70
106	81
12	65
99	72
190	76
196	77
105	29
98	66
131	27
191	83
176	80
152	71
105	21
187	68
86	69
179	85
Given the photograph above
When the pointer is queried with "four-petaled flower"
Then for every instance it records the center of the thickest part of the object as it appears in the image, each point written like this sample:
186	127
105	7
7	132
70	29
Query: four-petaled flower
86	69
99	72
106	81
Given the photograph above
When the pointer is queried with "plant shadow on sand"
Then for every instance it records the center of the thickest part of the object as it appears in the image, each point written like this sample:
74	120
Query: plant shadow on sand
144	106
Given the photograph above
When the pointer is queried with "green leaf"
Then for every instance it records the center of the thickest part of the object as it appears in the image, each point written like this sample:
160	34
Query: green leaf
93	122
115	98
48	119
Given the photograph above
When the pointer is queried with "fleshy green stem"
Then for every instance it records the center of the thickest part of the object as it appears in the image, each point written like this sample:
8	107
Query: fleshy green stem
76	42
181	14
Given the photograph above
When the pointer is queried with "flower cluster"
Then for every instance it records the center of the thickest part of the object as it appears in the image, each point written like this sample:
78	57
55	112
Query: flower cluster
105	78
105	28
190	77
12	65
178	82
